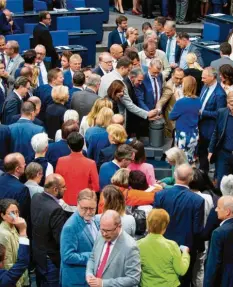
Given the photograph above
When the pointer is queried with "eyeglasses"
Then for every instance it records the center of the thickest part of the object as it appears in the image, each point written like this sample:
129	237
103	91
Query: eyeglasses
109	230
85	209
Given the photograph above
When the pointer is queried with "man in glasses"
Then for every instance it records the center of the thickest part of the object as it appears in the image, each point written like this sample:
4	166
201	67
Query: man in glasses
77	240
105	64
43	37
115	259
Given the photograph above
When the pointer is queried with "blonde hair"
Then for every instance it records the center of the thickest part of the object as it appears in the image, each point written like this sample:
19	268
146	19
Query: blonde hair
121	178
118	133
129	31
176	155
157	221
189	85
98	105
60	94
104	117
75	57
191	59
2	4
35	74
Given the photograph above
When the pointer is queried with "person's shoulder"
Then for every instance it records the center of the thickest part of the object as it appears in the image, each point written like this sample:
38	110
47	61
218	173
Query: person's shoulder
128	240
106	165
160	53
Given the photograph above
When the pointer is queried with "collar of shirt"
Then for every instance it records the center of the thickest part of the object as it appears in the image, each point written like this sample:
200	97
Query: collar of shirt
52	196
17	95
22	118
224	221
72	73
43	24
212	87
187	47
181	185
114	161
81	88
104	72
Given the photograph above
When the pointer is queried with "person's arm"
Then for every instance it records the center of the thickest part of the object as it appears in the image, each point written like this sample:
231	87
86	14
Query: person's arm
16	29
176	111
110	42
214	137
181	260
166	96
94	178
139	92
5	26
12	109
57	221
48	43
199	57
166	68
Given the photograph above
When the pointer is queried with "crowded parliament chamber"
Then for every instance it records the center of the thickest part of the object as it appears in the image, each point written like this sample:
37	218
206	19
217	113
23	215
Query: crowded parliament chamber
116	143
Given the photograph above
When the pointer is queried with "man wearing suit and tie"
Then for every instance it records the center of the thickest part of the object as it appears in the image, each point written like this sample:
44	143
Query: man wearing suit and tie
13	102
219	265
105	64
186	210
40	56
213	97
187	47
3	86
168	44
225	52
41	35
117	36
115	259
75	65
83	101
83	228
3	55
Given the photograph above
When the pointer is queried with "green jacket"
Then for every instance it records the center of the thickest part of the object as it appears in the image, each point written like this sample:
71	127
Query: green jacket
162	261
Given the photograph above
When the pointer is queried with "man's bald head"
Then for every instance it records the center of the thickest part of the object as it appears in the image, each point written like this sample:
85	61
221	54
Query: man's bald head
118	119
224	207
37	102
55	185
110	225
111	216
26	72
116	51
183	174
14	163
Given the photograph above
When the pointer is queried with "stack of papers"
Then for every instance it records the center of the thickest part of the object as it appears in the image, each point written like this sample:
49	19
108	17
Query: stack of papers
60	10
213	46
217	14
63	47
82	9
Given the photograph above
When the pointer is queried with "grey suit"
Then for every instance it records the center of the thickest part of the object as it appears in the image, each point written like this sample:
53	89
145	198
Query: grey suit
196	51
125	101
34	187
222	61
123	268
11	69
82	102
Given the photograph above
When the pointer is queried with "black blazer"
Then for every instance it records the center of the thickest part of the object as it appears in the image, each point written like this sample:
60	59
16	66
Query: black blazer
98	71
114	38
48	218
5	140
11	107
41	35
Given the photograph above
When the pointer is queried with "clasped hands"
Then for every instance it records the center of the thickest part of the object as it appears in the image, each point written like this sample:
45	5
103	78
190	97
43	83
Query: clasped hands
154	115
93	281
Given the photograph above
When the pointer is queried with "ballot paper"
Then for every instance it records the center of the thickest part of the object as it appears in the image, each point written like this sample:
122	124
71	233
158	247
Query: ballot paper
60	10
217	14
82	9
213	46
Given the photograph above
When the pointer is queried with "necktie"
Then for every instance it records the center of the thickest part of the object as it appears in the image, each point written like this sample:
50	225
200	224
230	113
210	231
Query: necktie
40	78
123	40
104	261
169	42
156	91
204	95
3	60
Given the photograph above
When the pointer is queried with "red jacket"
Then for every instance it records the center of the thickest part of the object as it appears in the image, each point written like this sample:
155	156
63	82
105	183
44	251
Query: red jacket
79	173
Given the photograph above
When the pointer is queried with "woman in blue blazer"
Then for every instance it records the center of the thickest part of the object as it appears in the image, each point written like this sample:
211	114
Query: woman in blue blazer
186	114
5	27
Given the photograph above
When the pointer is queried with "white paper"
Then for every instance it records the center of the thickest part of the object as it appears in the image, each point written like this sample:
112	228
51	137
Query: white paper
82	9
217	14
60	10
213	46
193	38
93	9
65	47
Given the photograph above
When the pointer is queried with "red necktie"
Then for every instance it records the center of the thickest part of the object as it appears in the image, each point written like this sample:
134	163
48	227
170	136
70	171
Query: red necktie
104	262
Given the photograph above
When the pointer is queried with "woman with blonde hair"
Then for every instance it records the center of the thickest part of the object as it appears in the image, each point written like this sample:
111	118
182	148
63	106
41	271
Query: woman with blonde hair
194	70
116	135
97	137
162	261
131	37
186	114
55	112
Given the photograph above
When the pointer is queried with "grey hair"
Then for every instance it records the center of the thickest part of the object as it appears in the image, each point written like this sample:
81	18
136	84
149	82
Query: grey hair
170	24
71	115
157	63
93	80
136	72
228	202
40	46
32	170
113	215
211	72
2	38
87	194
226	185
39	142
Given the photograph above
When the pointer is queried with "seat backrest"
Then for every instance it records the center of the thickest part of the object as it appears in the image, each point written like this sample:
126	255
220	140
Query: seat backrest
22	39
211	32
60	38
69	23
29	27
15	6
40	6
71	4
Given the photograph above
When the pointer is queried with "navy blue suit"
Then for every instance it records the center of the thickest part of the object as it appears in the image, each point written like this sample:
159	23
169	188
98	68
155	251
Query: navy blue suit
114	38
5	27
57	150
207	122
21	135
163	45
44	93
68	79
3	95
5	140
145	94
11	187
98	71
36	121
76	252
11	107
219	266
9	278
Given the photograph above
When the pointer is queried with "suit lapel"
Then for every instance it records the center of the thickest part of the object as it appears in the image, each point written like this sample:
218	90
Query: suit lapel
99	252
225	118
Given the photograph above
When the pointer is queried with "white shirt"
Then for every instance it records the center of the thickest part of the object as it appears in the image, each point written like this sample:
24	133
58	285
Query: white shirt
44	73
171	56
104	72
1	86
208	204
224	221
153	86
209	93
114	63
18	95
72	73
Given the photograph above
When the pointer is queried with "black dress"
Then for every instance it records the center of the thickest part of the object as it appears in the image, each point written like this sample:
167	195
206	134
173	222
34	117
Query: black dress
197	75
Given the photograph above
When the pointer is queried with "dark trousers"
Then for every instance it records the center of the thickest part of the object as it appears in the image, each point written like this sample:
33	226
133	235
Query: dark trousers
147	7
164	7
48	277
203	153
217	8
223	165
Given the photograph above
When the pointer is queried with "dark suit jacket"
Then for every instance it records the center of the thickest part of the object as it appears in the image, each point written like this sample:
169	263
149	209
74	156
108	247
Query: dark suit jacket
10	277
219	62
44	93
5	27
219	266
208	118
68	80
186	210
21	135
219	131
98	71
3	95
5	140
11	187
107	154
41	35
83	101
145	93
57	150
163	45
48	218
36	121
11	107
114	38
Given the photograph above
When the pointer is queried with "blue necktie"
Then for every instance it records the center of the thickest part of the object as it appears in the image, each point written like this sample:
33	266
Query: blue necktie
40	78
169	42
123	37
204	95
